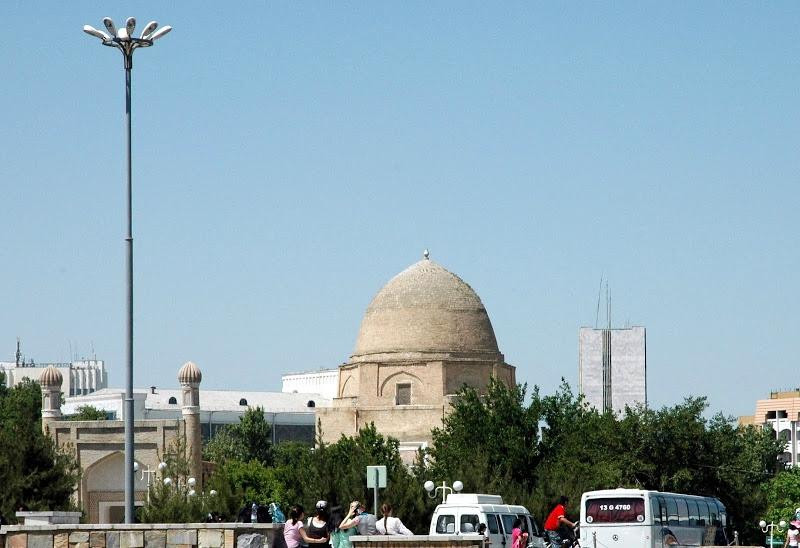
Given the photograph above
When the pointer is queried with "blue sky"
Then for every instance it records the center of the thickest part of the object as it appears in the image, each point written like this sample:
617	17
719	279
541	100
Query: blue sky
290	158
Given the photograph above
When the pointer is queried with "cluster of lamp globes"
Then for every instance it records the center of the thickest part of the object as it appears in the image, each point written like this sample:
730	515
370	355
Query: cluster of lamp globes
430	486
191	482
149	33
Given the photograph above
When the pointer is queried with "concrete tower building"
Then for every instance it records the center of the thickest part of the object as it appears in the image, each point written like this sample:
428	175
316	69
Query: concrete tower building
424	335
612	368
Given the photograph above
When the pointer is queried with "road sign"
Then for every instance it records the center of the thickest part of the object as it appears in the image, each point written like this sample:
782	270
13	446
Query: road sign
376	477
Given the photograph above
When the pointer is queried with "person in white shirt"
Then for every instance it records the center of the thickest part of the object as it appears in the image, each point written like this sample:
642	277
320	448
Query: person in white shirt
390	525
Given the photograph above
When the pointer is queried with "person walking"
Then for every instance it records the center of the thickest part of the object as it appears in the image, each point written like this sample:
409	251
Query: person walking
519	538
390	525
293	532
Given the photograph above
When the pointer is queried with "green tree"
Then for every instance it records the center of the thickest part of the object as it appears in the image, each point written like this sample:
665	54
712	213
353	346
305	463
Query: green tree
171	498
34	473
533	451
88	413
246	441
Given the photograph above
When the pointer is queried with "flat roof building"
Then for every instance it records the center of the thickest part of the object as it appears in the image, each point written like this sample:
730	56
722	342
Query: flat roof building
781	413
291	415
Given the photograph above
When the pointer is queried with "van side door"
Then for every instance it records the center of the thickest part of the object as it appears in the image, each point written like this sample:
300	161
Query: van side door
495	526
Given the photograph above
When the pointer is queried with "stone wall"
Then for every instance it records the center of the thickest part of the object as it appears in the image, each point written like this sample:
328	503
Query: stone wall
186	535
196	535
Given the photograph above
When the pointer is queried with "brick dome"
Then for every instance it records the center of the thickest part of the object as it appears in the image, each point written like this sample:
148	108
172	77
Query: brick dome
189	374
426	309
51	377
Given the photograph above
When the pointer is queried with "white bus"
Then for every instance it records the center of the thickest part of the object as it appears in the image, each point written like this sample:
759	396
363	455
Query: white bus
623	518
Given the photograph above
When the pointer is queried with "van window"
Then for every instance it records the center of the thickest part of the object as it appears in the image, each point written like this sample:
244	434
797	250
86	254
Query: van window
446	524
491	523
469	523
508	522
531	527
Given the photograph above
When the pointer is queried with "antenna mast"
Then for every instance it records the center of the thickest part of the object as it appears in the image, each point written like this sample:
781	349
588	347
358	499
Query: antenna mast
599	293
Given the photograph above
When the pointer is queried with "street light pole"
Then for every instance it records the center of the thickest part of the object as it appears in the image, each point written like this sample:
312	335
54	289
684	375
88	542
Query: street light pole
123	40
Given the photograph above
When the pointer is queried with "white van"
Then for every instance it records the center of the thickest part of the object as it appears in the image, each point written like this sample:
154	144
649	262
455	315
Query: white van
463	512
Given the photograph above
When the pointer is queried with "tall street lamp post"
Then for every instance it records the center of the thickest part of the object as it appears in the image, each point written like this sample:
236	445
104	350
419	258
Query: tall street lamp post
123	40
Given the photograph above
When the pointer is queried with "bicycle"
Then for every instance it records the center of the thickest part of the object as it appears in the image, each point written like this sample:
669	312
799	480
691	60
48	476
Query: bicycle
572	540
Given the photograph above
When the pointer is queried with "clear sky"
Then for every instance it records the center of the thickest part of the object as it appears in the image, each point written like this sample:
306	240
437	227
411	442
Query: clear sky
290	158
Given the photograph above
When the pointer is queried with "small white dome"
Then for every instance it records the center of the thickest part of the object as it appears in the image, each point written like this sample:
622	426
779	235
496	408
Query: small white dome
189	374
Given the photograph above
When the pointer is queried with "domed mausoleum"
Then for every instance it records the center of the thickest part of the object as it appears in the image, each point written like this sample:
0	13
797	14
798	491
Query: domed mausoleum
423	336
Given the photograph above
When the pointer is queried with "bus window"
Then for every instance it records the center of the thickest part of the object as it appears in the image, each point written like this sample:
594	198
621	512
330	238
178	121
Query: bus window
446	524
683	513
655	510
703	512
693	517
491	523
714	506
723	515
469	523
672	511
615	510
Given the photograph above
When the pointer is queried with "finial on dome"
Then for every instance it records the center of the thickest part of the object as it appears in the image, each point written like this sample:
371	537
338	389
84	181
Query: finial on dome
189	374
426	254
51	377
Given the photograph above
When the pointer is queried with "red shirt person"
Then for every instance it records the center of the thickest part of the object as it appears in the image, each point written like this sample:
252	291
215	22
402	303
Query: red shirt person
556	519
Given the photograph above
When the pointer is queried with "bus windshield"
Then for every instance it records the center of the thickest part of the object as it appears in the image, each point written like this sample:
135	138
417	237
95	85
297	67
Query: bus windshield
615	510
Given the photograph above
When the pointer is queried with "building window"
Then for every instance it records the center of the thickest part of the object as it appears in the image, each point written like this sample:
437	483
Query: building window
403	394
242	401
173	400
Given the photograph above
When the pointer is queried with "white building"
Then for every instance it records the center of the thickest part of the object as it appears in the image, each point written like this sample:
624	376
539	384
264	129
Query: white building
612	367
291	414
322	381
80	377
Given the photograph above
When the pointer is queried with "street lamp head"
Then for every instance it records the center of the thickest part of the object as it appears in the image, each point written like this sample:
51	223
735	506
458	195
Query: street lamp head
112	30
191	492
762	523
782	523
130	25
159	33
213	492
167	481
148	28
88	29
457	486
428	485
191	482
135	466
